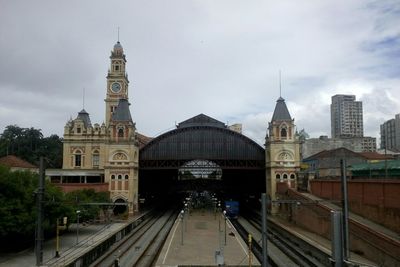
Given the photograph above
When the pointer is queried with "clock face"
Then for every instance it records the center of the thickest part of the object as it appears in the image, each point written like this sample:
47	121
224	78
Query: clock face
115	87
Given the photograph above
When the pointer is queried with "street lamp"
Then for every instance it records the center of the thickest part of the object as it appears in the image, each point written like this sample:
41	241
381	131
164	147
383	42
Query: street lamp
77	226
181	215
187	213
225	225
219	218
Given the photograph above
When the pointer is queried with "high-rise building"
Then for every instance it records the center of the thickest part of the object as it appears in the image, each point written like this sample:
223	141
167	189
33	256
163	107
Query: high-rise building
346	117
390	134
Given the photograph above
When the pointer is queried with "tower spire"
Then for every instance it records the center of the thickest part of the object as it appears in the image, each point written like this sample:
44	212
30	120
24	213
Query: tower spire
118	34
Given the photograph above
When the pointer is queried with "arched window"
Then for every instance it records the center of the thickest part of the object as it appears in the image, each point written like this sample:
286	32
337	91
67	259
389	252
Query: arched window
120	132
278	176
283	133
126	176
112	177
285	176
119	176
292	176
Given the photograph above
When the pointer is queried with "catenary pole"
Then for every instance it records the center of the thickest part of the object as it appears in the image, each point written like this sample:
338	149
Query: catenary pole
345	210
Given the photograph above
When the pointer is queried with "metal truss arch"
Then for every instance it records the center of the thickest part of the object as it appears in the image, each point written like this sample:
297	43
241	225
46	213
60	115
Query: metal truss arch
202	138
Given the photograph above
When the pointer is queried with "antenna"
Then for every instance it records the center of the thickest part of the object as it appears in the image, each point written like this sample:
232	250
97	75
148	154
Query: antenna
280	84
83	99
118	33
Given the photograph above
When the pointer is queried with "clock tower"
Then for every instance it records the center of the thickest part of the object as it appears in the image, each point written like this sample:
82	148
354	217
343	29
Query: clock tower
117	81
282	152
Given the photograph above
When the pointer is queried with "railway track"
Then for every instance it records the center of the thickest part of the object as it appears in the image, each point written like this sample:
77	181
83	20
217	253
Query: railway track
141	246
297	251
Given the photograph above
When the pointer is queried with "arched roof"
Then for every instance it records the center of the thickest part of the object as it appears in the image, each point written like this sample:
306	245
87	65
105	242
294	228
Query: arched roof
202	137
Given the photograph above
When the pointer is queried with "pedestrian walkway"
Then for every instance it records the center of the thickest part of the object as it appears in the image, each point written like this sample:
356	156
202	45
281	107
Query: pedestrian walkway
203	239
316	240
89	234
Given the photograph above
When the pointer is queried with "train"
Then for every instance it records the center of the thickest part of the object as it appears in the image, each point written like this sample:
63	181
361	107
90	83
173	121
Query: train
232	209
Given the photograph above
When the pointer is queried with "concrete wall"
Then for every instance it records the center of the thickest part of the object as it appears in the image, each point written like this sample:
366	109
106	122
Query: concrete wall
376	200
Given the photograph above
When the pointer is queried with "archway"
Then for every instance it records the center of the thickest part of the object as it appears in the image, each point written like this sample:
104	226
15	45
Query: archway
120	209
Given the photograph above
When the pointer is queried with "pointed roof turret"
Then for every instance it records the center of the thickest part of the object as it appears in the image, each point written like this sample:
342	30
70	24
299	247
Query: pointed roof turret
84	116
281	112
122	112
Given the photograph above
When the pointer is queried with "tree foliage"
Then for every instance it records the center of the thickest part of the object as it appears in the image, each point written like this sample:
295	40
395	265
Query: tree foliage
30	144
18	207
18	211
83	200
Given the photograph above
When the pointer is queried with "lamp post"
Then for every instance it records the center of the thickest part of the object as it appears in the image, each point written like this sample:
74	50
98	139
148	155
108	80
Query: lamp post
225	225
77	226
187	214
182	213
219	218
215	207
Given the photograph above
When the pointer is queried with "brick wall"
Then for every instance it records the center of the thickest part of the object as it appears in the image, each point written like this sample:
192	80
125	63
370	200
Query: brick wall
377	200
98	187
315	217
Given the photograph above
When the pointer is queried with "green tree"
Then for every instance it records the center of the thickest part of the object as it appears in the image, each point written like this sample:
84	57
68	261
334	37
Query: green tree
18	208
80	200
29	144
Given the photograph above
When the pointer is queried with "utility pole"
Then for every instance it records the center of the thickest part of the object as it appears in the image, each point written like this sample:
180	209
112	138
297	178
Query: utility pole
39	219
345	210
337	238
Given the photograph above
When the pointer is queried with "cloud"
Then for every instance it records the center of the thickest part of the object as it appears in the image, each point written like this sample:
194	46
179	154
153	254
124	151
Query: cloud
220	58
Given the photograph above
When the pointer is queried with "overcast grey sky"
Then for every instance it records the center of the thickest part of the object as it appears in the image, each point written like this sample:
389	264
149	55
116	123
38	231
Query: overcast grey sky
186	57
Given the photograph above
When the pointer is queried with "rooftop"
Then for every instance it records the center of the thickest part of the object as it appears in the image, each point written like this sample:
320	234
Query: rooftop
16	162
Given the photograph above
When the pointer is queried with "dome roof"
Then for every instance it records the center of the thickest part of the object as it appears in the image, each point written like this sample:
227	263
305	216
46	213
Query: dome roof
118	46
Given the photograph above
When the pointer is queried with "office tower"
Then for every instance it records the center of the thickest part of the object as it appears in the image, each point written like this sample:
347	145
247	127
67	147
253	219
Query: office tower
346	117
390	134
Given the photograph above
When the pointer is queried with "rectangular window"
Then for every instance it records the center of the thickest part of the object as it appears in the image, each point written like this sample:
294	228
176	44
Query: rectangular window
78	160
96	159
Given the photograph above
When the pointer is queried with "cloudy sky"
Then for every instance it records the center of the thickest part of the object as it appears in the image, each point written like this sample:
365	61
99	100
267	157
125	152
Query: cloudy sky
186	57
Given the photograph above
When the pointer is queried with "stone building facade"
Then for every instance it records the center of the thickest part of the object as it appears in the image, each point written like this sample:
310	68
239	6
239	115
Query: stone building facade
104	155
282	151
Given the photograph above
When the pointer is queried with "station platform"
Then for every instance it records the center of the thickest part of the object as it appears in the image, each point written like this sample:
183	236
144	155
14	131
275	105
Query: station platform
199	240
89	235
